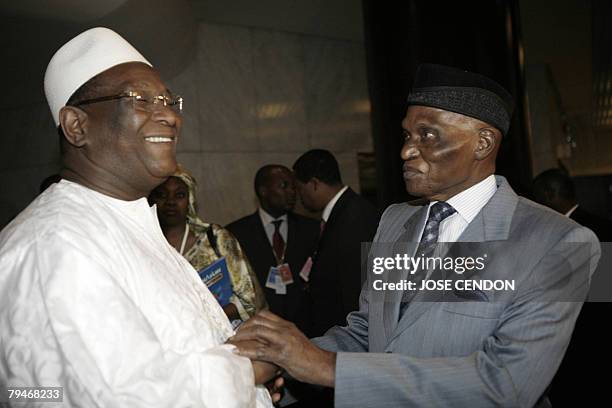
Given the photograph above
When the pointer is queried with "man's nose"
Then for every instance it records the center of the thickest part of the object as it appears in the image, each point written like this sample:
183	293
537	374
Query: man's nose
167	116
409	151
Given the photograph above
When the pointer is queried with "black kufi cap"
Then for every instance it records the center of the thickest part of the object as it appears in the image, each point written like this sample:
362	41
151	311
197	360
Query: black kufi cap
463	92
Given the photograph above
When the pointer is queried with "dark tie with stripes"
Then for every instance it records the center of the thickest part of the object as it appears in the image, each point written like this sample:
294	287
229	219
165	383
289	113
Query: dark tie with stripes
437	213
278	243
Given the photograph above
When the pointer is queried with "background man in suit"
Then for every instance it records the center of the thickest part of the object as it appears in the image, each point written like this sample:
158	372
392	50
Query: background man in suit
555	189
347	220
274	235
434	348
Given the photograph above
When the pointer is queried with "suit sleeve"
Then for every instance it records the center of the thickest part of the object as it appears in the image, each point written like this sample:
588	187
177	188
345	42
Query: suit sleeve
512	368
362	229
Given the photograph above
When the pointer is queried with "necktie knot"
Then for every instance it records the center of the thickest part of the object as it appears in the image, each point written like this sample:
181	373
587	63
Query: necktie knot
277	224
431	232
441	210
437	213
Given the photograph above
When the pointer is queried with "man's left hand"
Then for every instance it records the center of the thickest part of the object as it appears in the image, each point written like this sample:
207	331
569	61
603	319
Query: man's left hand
267	337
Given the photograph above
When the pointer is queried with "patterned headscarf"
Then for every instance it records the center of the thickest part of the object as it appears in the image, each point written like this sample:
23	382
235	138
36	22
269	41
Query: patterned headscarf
192	211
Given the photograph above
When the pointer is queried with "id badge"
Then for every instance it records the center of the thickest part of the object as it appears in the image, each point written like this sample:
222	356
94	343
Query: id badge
272	277
305	272
285	274
281	288
275	281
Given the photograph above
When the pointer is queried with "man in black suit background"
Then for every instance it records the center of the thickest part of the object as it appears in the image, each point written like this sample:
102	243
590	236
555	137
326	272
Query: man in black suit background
274	235
555	189
347	220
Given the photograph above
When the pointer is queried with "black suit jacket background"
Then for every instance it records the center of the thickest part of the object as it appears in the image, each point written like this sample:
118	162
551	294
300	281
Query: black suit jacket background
600	226
586	353
335	279
302	237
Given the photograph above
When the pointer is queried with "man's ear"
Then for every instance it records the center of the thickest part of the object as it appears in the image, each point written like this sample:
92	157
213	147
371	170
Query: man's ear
74	125
488	140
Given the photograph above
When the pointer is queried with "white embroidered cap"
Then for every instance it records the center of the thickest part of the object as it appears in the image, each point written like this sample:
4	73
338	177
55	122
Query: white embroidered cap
82	58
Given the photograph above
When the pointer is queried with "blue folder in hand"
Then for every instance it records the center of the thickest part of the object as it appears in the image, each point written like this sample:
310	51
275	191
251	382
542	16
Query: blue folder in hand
216	276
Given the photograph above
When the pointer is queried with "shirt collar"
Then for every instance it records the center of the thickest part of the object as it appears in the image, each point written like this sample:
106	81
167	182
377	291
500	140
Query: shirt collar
330	206
137	210
468	203
571	210
267	218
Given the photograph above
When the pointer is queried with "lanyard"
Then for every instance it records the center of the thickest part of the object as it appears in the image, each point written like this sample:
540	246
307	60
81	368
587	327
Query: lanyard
184	238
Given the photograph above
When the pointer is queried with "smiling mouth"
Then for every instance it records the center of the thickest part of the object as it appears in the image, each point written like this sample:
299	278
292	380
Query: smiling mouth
160	139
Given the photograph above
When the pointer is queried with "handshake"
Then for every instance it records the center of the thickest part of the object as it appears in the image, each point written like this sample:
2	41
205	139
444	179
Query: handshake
272	343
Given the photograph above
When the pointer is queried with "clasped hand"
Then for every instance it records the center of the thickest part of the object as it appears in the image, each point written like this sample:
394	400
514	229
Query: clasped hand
267	337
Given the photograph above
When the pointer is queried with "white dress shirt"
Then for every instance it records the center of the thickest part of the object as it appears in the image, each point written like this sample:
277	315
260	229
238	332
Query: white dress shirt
267	221
330	205
468	204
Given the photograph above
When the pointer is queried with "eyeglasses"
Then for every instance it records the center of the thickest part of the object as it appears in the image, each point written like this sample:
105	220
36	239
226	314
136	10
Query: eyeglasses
142	103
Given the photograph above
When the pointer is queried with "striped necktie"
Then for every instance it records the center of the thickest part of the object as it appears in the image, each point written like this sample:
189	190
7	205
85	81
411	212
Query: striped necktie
437	213
278	243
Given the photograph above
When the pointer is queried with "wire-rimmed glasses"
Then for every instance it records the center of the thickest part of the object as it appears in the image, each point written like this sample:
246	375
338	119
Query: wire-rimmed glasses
142	102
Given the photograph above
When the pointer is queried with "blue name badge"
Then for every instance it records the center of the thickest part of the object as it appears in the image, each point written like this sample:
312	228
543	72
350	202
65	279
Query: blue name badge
216	276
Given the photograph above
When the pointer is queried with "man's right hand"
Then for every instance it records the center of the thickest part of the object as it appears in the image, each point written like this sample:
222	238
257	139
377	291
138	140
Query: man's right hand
267	337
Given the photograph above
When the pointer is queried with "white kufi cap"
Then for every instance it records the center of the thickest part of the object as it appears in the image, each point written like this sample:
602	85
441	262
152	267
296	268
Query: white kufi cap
82	58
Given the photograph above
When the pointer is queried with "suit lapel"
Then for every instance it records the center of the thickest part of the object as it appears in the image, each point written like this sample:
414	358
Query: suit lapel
332	220
494	220
291	231
412	230
338	207
263	237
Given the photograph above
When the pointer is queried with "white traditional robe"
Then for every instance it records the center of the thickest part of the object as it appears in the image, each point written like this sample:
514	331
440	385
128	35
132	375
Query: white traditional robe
94	299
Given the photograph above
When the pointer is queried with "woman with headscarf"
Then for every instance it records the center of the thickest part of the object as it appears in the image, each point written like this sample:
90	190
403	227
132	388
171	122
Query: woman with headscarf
203	243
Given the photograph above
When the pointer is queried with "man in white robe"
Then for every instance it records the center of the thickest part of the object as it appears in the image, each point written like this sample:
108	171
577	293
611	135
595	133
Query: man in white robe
92	297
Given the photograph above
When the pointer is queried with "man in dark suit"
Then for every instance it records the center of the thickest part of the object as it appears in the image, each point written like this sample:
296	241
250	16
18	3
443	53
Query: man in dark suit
274	235
347	220
555	189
